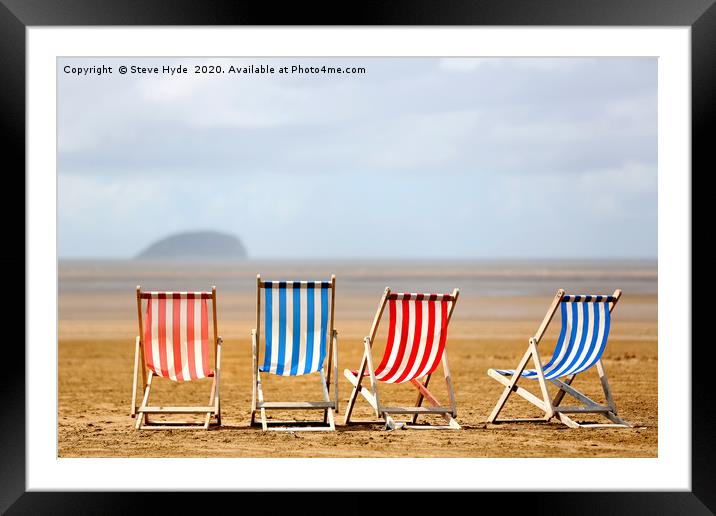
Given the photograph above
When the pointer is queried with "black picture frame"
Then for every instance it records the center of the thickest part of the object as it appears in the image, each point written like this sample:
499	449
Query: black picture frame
17	15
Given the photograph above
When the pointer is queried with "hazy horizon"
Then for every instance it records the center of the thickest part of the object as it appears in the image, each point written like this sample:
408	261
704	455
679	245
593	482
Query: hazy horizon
473	277
556	260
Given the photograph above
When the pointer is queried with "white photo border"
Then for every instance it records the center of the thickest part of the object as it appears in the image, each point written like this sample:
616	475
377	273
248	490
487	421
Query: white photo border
671	470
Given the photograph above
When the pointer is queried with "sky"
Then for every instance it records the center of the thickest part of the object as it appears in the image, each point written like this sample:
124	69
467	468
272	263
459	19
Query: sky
417	158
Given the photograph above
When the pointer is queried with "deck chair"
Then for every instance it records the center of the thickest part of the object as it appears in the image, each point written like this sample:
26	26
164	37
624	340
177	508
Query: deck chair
173	343
586	320
417	334
298	321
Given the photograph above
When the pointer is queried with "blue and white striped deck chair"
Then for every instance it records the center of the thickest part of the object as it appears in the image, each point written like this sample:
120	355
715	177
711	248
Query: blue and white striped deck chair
293	341
586	320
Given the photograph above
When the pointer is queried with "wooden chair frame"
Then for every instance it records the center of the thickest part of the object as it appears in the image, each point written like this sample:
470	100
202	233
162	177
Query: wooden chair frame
448	412
552	406
211	410
327	405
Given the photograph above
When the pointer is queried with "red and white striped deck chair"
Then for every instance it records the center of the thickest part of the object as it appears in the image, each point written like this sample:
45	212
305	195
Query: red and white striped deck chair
173	343
416	346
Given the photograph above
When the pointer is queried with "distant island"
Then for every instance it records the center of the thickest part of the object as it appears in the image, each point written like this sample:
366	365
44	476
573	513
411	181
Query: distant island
195	245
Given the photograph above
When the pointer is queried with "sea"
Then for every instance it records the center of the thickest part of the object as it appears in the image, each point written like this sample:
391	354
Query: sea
477	277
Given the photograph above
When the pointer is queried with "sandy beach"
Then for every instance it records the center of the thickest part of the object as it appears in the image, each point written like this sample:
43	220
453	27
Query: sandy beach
499	309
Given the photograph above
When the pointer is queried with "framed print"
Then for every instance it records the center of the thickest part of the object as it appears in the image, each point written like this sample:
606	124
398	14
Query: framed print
250	247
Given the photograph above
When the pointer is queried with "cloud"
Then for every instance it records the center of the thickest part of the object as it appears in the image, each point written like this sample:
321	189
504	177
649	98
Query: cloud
461	64
470	64
508	143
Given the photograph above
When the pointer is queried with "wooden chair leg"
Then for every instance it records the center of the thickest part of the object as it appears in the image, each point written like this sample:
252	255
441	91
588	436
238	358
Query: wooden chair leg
427	395
326	394
133	412
142	419
254	373
371	373
328	413
545	403
605	386
218	411
549	410
351	399
356	388
564	418
390	423
329	365
331	420
419	401
566	388
259	391
335	371
264	422
207	419
560	394
616	419
522	392
217	380
367	394
448	384
590	406
509	388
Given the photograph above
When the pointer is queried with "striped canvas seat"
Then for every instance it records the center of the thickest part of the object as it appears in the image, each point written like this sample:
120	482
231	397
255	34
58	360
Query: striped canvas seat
173	343
176	335
586	321
416	336
296	317
296	332
582	338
